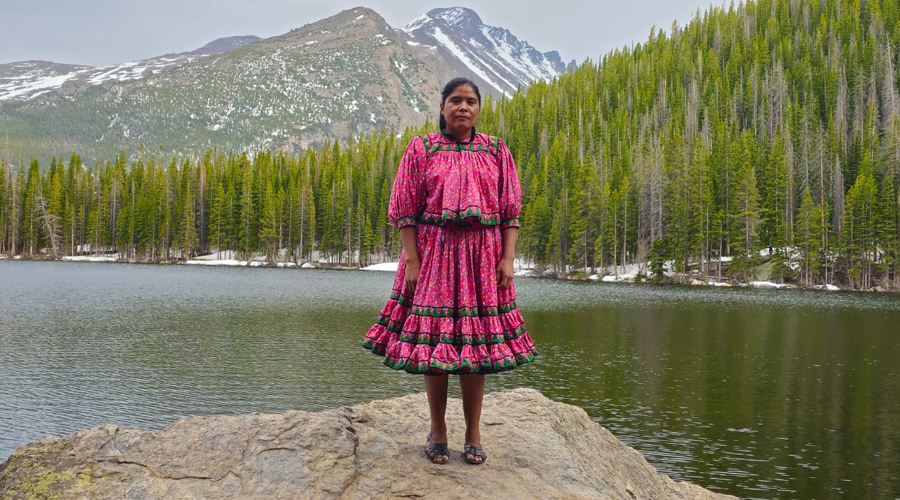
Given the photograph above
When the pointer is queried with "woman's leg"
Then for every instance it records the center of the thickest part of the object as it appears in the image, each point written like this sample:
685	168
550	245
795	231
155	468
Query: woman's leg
436	389
472	385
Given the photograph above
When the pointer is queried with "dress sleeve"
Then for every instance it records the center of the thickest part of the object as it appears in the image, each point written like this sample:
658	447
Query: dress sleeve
510	190
408	193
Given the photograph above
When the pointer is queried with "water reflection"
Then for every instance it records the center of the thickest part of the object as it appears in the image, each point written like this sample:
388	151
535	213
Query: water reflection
758	393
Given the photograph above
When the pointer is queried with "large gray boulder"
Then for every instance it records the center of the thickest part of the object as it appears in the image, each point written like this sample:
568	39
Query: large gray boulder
537	448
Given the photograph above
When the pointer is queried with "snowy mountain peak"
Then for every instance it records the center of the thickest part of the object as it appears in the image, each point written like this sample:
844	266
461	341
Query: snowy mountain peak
453	17
456	16
490	55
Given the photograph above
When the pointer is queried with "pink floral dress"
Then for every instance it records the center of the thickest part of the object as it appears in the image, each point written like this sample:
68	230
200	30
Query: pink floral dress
459	196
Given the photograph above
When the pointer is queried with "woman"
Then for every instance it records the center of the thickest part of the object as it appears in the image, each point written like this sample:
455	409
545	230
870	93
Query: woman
456	200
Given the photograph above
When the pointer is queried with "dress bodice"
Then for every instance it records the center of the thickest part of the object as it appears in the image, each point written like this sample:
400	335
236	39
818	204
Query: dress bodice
440	179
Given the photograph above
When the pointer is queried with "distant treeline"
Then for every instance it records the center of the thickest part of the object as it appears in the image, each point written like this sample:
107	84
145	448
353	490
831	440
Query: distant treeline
772	124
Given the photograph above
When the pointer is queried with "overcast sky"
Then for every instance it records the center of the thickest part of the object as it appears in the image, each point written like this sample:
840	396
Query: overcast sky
105	32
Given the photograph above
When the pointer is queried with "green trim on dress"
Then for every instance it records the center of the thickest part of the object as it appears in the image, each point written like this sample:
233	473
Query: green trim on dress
437	311
431	147
409	220
461	340
458	217
511	222
401	300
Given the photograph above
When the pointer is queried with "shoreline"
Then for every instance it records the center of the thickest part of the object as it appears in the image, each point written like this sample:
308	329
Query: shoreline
626	278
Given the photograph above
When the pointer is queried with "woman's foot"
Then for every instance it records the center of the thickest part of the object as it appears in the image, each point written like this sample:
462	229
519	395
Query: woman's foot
473	452
436	449
436	389
472	386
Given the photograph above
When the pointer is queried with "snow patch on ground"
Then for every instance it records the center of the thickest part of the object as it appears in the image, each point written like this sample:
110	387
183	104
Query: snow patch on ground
36	82
385	266
620	278
768	284
229	258
234	262
50	82
224	254
400	66
85	258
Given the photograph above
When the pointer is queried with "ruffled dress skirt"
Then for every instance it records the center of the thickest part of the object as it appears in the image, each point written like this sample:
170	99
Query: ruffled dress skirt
458	320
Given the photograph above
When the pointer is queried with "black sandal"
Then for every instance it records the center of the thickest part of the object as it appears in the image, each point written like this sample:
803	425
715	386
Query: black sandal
475	451
435	450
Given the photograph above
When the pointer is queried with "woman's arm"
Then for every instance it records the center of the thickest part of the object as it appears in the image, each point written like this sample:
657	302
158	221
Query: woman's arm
505	266
406	204
411	253
510	207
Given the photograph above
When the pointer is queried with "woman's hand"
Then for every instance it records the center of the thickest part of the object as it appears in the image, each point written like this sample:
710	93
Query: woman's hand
504	273
412	274
410	256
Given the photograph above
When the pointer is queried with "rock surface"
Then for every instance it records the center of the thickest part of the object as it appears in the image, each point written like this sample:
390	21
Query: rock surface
537	448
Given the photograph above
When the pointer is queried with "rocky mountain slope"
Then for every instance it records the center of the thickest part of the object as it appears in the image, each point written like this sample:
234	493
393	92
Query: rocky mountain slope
26	80
492	55
350	73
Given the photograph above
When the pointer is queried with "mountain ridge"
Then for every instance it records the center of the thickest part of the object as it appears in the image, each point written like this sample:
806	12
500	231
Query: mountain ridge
494	56
350	73
17	84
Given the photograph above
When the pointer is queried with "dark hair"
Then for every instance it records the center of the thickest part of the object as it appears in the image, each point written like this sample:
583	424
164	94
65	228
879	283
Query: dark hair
450	87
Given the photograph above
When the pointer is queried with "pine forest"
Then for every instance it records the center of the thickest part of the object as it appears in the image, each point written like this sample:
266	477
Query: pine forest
758	138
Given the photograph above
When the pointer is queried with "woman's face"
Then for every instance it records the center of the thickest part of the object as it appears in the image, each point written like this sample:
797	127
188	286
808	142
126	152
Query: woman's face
460	111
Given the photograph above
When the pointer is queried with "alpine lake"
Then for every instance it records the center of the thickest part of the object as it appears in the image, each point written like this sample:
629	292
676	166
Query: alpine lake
757	393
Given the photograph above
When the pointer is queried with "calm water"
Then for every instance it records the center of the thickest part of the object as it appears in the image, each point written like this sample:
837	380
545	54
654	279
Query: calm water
757	393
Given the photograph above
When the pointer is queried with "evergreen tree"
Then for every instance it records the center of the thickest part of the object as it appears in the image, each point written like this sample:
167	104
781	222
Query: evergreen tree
808	239
5	178
887	229
31	201
858	237
217	220
248	221
775	211
268	228
744	223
